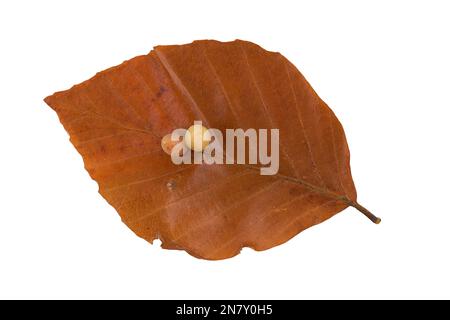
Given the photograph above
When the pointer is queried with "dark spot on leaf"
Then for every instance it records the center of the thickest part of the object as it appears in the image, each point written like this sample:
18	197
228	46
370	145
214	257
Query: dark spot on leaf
294	192
161	91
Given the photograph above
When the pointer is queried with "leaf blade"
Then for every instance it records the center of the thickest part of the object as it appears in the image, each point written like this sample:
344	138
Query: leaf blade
116	119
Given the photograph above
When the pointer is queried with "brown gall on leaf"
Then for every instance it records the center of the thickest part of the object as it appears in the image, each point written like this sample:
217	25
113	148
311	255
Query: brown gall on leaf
167	143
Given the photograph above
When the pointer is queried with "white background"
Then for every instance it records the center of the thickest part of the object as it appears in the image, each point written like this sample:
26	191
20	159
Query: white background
382	66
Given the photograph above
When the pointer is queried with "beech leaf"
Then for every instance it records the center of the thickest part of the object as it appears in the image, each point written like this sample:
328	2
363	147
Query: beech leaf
116	121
